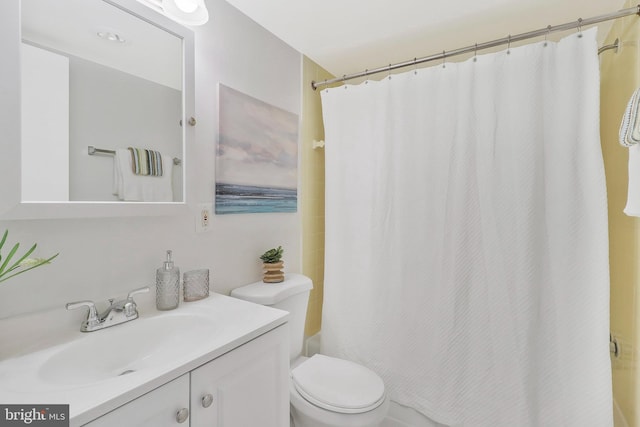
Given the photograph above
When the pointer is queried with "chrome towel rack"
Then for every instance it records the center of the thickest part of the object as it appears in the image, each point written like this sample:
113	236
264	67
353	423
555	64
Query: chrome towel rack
93	151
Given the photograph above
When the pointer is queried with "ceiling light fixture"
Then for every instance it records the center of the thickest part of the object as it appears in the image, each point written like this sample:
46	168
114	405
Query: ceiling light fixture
187	6
186	12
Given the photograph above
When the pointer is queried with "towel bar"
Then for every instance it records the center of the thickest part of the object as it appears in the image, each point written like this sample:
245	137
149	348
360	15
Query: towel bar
93	150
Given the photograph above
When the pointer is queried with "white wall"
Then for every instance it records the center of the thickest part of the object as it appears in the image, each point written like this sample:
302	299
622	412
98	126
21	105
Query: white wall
45	125
101	258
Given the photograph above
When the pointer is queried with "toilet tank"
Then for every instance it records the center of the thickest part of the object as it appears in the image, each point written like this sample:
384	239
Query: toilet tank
292	295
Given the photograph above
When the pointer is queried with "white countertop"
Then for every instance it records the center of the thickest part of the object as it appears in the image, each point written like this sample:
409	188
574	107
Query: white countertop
24	355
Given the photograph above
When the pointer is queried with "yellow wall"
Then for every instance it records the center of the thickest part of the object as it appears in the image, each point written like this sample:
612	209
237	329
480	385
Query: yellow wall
619	78
313	191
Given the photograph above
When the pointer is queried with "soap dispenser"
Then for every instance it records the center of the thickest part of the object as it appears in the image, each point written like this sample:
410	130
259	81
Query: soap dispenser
167	285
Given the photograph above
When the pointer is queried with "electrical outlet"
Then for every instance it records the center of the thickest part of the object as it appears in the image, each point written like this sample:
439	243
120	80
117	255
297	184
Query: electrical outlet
203	217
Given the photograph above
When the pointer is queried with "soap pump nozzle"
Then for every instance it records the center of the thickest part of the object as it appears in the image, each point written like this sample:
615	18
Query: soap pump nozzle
168	264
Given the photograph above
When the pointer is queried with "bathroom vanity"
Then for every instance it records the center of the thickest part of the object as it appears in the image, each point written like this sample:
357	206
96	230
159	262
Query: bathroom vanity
215	362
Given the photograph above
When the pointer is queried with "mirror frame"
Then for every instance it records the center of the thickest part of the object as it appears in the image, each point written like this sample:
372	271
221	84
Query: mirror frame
11	204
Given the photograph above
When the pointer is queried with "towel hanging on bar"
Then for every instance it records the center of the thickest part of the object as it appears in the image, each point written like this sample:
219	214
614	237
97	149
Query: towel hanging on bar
629	137
630	127
140	188
145	162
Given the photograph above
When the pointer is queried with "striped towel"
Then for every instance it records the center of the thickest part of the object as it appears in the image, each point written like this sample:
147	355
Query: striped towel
146	162
630	126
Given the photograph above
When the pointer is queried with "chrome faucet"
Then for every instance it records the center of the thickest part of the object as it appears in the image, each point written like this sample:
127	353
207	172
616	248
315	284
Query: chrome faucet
117	312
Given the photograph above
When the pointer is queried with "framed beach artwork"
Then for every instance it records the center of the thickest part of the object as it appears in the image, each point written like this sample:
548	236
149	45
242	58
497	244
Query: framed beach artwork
256	156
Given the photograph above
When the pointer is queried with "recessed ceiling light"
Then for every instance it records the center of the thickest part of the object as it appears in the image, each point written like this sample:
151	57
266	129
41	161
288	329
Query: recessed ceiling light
112	37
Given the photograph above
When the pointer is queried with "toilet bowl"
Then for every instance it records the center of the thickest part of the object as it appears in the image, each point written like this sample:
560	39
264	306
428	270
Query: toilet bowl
324	391
329	392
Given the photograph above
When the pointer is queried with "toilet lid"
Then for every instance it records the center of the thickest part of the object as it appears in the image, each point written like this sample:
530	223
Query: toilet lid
338	385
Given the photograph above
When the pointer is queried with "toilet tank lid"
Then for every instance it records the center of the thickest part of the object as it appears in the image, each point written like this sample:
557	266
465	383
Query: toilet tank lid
273	293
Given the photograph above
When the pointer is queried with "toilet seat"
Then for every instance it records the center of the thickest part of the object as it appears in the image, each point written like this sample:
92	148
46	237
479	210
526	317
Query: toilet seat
338	385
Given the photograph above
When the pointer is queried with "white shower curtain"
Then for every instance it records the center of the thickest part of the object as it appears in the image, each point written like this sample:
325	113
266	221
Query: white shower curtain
466	237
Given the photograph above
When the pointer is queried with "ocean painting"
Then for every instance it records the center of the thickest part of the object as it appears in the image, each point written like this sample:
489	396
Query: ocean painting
256	156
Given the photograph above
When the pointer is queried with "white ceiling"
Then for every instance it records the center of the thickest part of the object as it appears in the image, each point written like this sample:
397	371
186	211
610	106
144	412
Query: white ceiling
347	36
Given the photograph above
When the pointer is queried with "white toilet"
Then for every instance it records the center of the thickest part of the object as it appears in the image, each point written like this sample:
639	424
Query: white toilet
324	391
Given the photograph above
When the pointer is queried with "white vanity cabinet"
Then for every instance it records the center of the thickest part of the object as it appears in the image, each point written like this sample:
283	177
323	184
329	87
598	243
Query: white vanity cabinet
158	408
247	386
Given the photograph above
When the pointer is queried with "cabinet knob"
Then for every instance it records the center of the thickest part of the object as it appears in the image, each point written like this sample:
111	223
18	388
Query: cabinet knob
182	415
207	400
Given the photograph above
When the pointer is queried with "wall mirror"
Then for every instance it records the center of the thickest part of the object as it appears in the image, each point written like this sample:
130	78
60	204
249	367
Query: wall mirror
105	86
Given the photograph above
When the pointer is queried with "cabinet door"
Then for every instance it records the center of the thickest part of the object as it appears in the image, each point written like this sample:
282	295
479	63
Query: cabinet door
247	387
158	408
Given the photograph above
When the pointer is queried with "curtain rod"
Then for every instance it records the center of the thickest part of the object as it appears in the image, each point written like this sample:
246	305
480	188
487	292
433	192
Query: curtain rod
498	42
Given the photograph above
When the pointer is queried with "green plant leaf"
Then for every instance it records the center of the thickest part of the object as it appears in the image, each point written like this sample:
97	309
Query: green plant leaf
21	265
272	255
45	261
4	238
6	261
17	263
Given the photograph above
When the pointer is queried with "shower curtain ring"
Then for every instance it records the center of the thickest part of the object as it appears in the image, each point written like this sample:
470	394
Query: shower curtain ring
475	53
415	66
444	55
366	77
509	45
579	27
389	70
344	79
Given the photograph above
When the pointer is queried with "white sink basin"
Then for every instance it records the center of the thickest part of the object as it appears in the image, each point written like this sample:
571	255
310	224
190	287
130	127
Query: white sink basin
125	349
96	372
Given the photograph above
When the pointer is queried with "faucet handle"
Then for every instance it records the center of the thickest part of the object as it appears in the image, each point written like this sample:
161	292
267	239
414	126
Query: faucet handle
92	317
138	291
130	308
